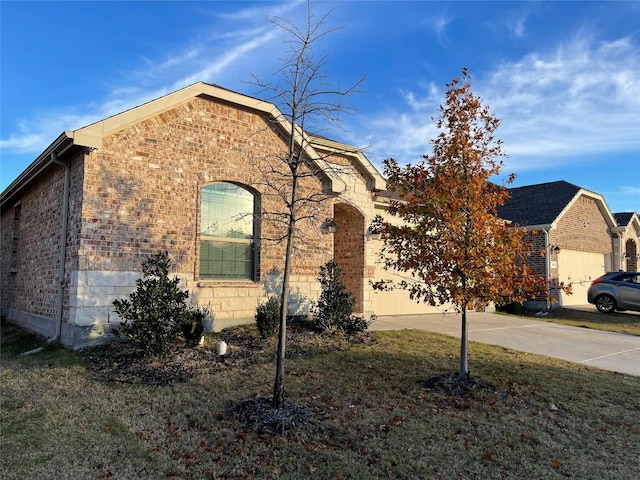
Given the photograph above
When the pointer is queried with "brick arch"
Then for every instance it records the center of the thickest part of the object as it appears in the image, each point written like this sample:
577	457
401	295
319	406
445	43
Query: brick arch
631	254
348	250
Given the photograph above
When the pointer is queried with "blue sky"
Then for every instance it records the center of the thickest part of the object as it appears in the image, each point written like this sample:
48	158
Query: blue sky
564	77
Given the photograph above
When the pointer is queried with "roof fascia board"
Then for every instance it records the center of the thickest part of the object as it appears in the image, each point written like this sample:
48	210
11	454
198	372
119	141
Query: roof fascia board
91	135
542	227
324	167
602	205
378	182
634	223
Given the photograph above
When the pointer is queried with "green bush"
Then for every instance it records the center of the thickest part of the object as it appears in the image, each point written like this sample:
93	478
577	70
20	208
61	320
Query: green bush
355	324
268	317
193	325
155	312
334	310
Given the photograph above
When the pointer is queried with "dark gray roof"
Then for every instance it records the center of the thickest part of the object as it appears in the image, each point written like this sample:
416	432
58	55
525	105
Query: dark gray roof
538	204
623	218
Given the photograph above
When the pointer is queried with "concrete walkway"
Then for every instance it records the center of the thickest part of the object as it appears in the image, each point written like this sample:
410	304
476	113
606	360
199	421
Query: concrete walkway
606	350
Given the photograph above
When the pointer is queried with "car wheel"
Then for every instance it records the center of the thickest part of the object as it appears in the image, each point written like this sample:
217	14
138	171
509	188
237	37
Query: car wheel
605	303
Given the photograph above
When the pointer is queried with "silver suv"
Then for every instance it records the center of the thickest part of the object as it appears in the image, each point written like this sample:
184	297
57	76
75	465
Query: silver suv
615	291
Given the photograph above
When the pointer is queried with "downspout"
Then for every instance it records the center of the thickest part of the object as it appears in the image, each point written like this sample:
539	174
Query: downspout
63	245
547	266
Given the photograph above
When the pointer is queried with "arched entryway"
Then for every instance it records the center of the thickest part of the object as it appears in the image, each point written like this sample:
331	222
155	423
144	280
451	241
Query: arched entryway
631	255
348	250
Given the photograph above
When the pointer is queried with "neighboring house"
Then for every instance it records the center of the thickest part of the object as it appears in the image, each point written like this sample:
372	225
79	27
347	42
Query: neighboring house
574	235
168	174
626	249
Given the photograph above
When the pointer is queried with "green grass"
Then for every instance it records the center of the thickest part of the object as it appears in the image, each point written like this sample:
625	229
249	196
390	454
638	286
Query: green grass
619	322
543	418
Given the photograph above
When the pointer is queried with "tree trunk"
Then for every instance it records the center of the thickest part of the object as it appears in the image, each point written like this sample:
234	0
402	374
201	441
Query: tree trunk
278	387
464	365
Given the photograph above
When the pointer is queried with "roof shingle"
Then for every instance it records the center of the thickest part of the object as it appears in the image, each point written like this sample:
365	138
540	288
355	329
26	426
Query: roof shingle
538	204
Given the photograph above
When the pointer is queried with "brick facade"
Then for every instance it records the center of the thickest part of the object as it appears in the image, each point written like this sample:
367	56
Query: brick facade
583	227
139	193
626	247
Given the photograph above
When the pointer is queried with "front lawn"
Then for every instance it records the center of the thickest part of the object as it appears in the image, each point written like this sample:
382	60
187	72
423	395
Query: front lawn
529	417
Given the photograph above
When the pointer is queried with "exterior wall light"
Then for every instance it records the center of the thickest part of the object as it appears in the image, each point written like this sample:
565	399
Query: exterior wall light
372	234
329	226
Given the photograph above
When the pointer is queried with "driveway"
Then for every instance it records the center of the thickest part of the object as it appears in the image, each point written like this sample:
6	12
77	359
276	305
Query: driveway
606	350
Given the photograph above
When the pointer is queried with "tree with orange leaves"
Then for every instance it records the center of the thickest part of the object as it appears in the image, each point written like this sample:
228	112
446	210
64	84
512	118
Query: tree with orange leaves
450	243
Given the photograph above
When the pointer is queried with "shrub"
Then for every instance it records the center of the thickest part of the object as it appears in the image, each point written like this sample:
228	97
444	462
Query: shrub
334	310
355	324
193	325
268	317
156	310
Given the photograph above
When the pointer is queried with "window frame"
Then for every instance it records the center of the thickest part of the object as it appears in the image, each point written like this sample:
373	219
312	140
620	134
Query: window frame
251	240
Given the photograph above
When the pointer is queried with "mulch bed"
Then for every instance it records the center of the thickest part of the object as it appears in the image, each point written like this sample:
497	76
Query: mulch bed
121	361
451	384
258	415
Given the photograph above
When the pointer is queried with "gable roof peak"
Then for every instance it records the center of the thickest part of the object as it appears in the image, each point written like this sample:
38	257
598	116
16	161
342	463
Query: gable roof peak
544	203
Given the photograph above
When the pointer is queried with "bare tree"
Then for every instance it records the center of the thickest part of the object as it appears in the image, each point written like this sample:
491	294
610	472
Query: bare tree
305	99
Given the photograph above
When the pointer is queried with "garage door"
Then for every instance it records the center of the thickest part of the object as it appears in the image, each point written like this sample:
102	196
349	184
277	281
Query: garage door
397	302
579	268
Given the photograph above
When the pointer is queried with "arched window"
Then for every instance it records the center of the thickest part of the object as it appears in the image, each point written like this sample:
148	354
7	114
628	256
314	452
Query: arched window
228	232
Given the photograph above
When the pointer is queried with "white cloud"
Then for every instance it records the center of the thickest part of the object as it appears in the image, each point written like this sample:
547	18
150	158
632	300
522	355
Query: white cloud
582	98
438	25
211	57
26	143
33	136
517	24
215	66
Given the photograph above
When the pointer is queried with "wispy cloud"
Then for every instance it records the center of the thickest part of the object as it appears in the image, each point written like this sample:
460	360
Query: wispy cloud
211	69
437	25
216	55
581	98
516	24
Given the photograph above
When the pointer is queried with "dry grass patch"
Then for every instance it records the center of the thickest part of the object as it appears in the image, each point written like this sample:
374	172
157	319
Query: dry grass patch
537	418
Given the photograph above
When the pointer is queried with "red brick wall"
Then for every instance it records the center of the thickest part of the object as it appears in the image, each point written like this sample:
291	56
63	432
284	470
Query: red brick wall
349	250
142	188
583	227
8	260
32	286
537	252
631	258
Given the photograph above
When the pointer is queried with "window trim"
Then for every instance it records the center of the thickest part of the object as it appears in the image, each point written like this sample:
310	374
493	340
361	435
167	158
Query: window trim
252	240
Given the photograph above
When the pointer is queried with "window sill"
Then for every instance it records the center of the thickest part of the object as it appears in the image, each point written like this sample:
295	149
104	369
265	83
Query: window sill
226	283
